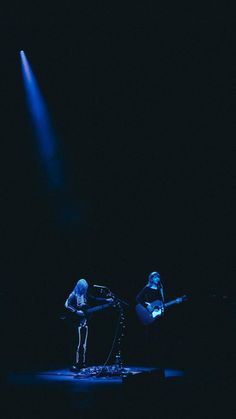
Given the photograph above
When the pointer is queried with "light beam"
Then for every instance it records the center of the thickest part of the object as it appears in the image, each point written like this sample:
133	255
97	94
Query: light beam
43	128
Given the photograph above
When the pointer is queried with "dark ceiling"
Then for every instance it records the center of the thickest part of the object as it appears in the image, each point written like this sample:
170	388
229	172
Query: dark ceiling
141	98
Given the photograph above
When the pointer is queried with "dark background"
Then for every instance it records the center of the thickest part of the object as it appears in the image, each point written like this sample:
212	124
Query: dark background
141	96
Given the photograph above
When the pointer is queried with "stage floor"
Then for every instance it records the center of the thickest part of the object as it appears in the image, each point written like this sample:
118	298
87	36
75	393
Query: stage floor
136	393
93	374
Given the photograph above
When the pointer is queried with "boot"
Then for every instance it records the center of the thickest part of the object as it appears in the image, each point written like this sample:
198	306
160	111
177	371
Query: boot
76	367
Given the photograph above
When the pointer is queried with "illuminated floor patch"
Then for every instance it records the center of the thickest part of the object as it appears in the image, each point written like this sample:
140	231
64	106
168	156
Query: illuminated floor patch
89	375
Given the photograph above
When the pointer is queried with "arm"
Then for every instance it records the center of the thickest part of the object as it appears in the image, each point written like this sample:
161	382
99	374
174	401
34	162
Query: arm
71	304
140	298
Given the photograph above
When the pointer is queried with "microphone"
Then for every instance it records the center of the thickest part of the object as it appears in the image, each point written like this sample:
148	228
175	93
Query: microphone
99	286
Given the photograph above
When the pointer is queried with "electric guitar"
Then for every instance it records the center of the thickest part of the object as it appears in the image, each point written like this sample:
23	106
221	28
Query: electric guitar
148	315
85	312
98	308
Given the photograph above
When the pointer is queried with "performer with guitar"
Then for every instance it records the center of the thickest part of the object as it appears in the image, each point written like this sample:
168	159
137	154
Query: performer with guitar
78	304
150	306
153	291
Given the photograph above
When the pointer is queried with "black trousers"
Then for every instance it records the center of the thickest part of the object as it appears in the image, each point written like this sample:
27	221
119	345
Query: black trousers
154	344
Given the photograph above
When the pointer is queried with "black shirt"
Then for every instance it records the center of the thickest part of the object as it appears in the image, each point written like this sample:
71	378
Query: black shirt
148	295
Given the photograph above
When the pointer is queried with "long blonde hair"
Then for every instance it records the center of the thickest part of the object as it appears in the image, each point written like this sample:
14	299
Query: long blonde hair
81	287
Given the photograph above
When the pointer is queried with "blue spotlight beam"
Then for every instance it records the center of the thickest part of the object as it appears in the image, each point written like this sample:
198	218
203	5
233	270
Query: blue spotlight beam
41	122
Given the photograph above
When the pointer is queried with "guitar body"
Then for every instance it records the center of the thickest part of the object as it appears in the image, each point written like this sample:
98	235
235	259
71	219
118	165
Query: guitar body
149	314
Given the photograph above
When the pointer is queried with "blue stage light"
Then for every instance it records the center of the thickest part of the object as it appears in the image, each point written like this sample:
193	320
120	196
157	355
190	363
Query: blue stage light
66	209
40	118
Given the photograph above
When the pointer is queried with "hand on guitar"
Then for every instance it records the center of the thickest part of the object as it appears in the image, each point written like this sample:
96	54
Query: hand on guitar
110	297
110	300
79	313
157	308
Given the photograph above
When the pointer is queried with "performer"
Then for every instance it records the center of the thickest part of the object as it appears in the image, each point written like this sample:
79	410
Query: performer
77	303
152	291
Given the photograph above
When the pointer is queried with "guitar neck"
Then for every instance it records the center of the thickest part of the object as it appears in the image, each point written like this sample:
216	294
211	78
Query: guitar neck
170	303
98	308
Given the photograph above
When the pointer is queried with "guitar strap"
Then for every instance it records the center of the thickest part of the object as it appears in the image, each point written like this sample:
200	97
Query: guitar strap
162	293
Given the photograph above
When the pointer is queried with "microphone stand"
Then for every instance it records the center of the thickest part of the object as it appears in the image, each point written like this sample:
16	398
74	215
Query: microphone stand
117	369
119	356
120	304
